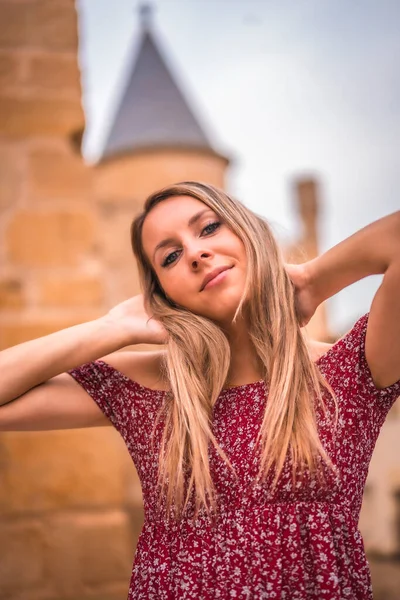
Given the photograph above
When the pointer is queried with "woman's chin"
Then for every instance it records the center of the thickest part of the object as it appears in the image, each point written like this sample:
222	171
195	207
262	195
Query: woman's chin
224	315
221	309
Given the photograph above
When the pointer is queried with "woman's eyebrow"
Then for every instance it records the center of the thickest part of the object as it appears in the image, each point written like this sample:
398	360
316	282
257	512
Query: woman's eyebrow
192	221
197	216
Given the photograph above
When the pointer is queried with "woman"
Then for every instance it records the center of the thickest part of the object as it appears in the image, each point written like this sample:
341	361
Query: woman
251	443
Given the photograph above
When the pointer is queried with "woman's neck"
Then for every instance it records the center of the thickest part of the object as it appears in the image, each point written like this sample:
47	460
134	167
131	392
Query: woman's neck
245	365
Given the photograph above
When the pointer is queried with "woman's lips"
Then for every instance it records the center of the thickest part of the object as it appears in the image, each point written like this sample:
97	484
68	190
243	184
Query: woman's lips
217	279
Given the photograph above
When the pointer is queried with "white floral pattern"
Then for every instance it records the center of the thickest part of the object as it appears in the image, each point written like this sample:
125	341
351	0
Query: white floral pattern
299	542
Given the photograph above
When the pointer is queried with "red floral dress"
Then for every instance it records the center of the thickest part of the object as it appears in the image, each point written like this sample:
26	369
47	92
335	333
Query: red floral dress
299	542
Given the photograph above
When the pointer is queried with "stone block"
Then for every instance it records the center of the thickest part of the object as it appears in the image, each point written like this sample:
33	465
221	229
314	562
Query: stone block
86	549
31	116
121	283
14	17
114	591
39	24
49	239
11	293
22	556
53	25
107	548
114	236
69	292
385	575
10	69
62	554
54	73
11	175
43	592
53	175
89	470
20	330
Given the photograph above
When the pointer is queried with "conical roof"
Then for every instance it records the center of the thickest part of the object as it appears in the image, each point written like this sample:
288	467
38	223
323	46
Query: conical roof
153	112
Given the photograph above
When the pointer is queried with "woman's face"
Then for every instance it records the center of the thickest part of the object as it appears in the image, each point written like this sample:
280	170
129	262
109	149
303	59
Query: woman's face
186	241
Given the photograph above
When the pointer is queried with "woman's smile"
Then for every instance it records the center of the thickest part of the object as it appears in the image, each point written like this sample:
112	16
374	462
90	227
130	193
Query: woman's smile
221	276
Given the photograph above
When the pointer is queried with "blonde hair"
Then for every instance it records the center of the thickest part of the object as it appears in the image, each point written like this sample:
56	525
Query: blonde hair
198	360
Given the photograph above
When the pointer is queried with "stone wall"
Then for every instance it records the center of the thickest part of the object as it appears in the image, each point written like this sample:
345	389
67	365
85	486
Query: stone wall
69	509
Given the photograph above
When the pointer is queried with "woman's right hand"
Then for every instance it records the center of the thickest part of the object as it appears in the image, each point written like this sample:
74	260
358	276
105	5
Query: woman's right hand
132	316
35	372
306	303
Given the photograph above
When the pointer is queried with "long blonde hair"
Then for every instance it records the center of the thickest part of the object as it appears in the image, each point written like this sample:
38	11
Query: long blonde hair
198	360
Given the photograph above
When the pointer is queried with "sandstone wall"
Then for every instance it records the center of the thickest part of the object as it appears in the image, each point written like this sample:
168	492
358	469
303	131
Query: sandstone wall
69	515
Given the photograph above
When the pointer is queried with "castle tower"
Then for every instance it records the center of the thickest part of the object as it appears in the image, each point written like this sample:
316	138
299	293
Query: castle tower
307	206
154	140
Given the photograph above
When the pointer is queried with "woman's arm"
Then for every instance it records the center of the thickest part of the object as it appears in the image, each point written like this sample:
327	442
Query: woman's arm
375	249
34	388
27	365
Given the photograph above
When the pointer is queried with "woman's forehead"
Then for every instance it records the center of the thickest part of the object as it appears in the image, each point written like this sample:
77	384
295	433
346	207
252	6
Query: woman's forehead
172	214
168	217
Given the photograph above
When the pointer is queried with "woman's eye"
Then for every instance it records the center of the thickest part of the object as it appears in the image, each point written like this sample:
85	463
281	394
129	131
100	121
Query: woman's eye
213	227
210	228
167	260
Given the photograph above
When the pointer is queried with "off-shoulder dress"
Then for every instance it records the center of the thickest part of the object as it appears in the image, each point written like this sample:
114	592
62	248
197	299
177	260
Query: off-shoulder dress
299	542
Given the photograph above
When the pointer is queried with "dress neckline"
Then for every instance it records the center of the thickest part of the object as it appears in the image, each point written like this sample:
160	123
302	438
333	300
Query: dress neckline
242	385
224	390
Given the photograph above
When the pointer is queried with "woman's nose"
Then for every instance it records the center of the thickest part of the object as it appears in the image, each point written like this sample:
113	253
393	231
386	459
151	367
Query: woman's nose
198	256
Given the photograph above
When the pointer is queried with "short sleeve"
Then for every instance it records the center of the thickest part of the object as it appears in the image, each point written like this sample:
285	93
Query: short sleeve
385	397
129	405
346	368
103	384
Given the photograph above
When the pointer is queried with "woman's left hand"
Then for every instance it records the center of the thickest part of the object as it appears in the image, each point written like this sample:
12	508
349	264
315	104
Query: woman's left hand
306	303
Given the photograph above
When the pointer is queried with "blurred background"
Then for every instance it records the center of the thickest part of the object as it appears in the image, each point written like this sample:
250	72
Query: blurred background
294	107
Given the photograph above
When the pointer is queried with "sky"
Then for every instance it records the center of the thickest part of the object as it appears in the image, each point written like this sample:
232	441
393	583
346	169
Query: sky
285	88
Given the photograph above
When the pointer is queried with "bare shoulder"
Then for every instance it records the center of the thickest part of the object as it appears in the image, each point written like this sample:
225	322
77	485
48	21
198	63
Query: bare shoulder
317	349
144	367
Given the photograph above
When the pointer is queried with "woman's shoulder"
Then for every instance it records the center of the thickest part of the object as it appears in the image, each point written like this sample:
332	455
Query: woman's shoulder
317	349
144	367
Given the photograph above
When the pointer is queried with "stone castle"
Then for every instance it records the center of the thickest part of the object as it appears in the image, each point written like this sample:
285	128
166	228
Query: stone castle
70	502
